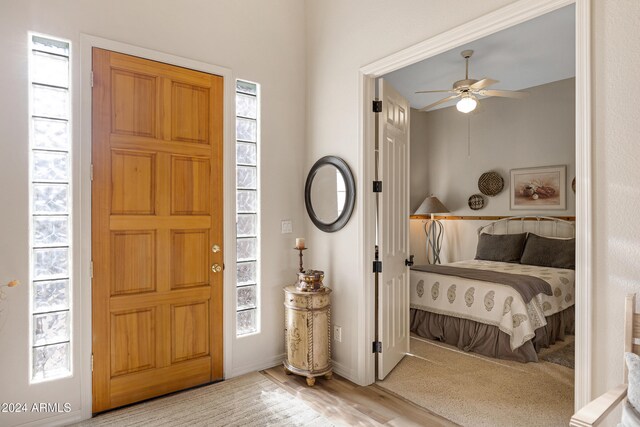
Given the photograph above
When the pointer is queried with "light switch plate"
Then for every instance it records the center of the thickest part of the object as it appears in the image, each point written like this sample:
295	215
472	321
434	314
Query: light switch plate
287	226
337	333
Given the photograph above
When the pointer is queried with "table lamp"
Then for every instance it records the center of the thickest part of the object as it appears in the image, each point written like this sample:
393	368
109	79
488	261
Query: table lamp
433	228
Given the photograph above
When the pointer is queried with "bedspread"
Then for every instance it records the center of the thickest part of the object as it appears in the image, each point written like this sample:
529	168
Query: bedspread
493	303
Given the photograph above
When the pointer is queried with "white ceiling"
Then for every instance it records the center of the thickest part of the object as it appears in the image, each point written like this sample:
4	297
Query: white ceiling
535	52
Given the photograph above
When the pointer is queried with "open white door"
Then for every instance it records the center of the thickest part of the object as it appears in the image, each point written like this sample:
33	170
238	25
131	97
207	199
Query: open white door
393	228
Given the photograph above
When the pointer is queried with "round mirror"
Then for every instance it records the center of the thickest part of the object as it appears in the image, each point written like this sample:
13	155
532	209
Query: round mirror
330	193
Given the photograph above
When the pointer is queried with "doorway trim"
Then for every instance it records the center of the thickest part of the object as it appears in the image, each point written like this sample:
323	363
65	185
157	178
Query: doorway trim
493	22
82	201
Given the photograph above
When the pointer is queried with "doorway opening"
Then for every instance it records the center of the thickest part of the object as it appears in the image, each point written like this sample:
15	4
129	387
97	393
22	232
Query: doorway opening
459	39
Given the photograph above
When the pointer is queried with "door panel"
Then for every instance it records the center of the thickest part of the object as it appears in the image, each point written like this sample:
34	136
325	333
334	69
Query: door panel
393	293
190	112
133	262
189	331
134	103
156	212
132	341
133	181
190	186
189	258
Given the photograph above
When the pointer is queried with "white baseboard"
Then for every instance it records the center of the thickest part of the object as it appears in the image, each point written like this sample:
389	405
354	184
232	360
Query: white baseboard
338	368
344	372
265	364
56	420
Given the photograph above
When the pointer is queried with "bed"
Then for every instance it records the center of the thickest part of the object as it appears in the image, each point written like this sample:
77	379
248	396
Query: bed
514	299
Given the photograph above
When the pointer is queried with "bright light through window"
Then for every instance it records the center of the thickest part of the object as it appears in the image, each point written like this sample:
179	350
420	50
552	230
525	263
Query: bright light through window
247	207
50	195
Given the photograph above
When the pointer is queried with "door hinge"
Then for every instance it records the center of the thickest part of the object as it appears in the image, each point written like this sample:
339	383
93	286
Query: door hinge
377	186
377	347
377	106
91	171
91	78
377	266
91	362
91	269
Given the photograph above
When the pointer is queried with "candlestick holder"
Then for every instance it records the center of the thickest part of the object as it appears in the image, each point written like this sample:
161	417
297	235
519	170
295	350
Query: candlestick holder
300	250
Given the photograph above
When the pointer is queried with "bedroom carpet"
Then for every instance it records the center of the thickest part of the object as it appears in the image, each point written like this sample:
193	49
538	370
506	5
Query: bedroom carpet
474	390
249	400
565	355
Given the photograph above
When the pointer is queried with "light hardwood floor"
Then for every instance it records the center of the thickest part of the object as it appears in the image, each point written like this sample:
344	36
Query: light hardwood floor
344	402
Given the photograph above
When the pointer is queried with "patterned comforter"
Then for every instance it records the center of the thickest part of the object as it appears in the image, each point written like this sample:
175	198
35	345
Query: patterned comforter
493	303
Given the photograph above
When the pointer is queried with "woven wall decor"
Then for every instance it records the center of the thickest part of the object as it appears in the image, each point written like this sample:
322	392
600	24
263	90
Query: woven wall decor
573	185
476	202
490	183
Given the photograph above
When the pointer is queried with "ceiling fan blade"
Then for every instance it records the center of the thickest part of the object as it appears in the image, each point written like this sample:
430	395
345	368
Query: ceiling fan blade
481	84
504	93
436	91
442	101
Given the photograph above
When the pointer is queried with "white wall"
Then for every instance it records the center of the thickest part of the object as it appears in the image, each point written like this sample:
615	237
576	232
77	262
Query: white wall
616	126
344	36
504	134
419	179
259	41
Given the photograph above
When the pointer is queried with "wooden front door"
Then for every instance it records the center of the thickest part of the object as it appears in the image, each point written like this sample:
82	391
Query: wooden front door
156	216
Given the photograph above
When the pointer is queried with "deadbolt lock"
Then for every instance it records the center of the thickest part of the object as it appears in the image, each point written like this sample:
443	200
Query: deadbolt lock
216	268
215	249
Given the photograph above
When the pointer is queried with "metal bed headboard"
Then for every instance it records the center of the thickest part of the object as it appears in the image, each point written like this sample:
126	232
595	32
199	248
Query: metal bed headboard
535	227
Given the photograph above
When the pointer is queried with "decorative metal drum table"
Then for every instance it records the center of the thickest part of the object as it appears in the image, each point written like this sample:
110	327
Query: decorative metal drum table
308	333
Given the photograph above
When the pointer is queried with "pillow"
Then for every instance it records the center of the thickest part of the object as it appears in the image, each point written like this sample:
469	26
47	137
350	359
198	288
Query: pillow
633	392
549	252
500	247
630	417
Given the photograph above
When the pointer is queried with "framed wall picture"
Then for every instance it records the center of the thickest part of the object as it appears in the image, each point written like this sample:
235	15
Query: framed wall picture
539	188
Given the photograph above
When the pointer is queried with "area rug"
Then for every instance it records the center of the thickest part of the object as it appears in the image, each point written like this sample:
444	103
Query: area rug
565	356
249	400
478	391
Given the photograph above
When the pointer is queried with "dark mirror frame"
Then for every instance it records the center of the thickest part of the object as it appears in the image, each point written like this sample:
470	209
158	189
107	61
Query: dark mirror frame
350	197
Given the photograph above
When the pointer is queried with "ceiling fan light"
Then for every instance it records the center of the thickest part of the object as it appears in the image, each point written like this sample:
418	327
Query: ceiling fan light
467	104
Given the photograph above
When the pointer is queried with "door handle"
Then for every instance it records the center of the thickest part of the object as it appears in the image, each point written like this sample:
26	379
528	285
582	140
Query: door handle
215	249
216	268
409	262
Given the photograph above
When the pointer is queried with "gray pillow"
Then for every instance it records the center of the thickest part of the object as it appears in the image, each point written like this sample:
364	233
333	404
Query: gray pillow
633	392
548	252
500	247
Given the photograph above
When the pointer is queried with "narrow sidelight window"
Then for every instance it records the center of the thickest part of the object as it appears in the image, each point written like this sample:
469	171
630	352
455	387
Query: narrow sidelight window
50	208
247	207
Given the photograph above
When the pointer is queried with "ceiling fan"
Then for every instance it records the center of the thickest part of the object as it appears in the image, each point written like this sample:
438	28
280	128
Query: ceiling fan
469	89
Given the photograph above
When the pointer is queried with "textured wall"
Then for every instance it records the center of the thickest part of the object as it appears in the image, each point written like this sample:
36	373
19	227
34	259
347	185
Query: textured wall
259	41
616	155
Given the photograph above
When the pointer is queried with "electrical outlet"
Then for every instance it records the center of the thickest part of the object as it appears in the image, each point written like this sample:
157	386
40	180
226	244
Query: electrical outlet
337	333
286	226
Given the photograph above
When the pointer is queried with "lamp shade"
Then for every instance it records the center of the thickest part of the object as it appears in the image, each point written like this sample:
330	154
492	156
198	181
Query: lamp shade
431	205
